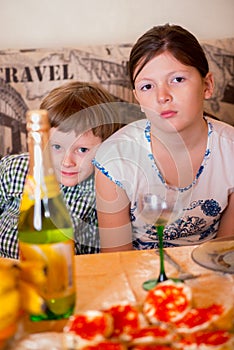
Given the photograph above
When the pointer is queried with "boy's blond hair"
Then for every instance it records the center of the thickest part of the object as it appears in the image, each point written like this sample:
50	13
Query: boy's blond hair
82	106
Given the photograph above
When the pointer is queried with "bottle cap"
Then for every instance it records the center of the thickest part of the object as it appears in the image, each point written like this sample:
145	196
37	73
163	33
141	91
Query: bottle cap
37	120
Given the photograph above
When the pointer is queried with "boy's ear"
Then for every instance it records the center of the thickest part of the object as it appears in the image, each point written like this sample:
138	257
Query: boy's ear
208	85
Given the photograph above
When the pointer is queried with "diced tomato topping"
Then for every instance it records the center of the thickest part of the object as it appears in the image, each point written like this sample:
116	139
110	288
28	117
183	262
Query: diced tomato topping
168	301
126	318
152	347
215	337
105	345
198	316
88	327
150	331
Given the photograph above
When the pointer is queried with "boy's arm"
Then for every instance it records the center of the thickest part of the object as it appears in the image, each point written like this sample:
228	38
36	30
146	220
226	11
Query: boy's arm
226	226
113	210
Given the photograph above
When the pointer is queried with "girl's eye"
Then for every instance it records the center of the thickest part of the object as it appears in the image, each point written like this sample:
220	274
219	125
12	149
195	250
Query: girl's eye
83	150
178	79
146	87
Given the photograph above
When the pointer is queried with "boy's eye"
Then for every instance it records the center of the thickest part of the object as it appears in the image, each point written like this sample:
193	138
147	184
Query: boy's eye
83	150
56	147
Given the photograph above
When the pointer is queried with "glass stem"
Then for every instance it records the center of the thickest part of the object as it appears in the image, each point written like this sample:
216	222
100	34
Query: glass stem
162	275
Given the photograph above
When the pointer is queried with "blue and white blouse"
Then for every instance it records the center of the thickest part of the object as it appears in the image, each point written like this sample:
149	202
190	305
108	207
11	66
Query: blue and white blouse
126	158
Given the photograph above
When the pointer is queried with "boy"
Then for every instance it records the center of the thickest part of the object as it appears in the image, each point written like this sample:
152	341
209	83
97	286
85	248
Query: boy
81	117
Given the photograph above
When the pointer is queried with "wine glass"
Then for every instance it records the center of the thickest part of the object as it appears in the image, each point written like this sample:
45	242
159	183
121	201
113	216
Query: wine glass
159	209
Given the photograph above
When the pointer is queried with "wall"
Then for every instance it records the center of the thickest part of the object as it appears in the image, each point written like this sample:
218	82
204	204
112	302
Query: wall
53	41
28	24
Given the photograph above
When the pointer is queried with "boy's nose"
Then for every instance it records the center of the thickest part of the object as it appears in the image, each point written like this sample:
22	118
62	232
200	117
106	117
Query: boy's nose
68	160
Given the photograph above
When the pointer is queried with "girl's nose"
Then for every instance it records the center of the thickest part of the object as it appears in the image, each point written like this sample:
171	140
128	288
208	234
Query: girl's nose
163	95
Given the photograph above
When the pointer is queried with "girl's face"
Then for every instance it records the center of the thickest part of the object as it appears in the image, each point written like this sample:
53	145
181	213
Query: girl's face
72	155
171	93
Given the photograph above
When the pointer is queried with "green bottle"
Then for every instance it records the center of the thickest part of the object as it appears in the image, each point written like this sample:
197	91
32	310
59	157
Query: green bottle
45	229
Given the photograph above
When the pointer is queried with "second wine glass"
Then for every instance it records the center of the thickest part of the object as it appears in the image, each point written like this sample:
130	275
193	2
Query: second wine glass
159	209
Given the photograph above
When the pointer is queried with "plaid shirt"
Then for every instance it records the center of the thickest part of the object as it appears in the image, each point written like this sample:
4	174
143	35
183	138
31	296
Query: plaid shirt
79	199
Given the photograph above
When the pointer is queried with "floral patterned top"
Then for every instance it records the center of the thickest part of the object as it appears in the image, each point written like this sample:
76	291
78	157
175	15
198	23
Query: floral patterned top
126	158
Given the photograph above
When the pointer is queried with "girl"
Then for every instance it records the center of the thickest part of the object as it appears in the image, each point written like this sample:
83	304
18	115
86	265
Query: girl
177	146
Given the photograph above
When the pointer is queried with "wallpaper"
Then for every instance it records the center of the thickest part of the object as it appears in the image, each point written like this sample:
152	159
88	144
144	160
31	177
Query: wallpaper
26	76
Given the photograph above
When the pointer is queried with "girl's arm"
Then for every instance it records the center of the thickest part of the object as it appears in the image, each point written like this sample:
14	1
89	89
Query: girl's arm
113	211
226	226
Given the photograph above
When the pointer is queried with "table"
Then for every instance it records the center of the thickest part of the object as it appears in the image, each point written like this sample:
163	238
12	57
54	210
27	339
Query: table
114	277
106	278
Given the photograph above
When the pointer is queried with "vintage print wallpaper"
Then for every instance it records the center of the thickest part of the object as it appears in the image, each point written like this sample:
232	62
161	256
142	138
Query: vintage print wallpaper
26	76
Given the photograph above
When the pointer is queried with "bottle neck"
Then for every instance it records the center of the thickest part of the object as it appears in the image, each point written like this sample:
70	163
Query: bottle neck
40	164
38	152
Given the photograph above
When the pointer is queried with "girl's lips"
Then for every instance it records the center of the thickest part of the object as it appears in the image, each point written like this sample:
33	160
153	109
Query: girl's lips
168	114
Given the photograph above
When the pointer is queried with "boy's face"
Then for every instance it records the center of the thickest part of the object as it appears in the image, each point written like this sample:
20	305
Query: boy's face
72	155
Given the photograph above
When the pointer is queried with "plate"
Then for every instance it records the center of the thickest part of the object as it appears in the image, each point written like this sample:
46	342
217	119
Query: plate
217	254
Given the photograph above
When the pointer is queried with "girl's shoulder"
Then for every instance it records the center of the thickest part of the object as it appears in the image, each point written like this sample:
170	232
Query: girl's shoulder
222	129
130	131
122	145
124	139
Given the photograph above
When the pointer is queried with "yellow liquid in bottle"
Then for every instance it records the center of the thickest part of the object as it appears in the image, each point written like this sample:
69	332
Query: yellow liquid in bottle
53	247
45	229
